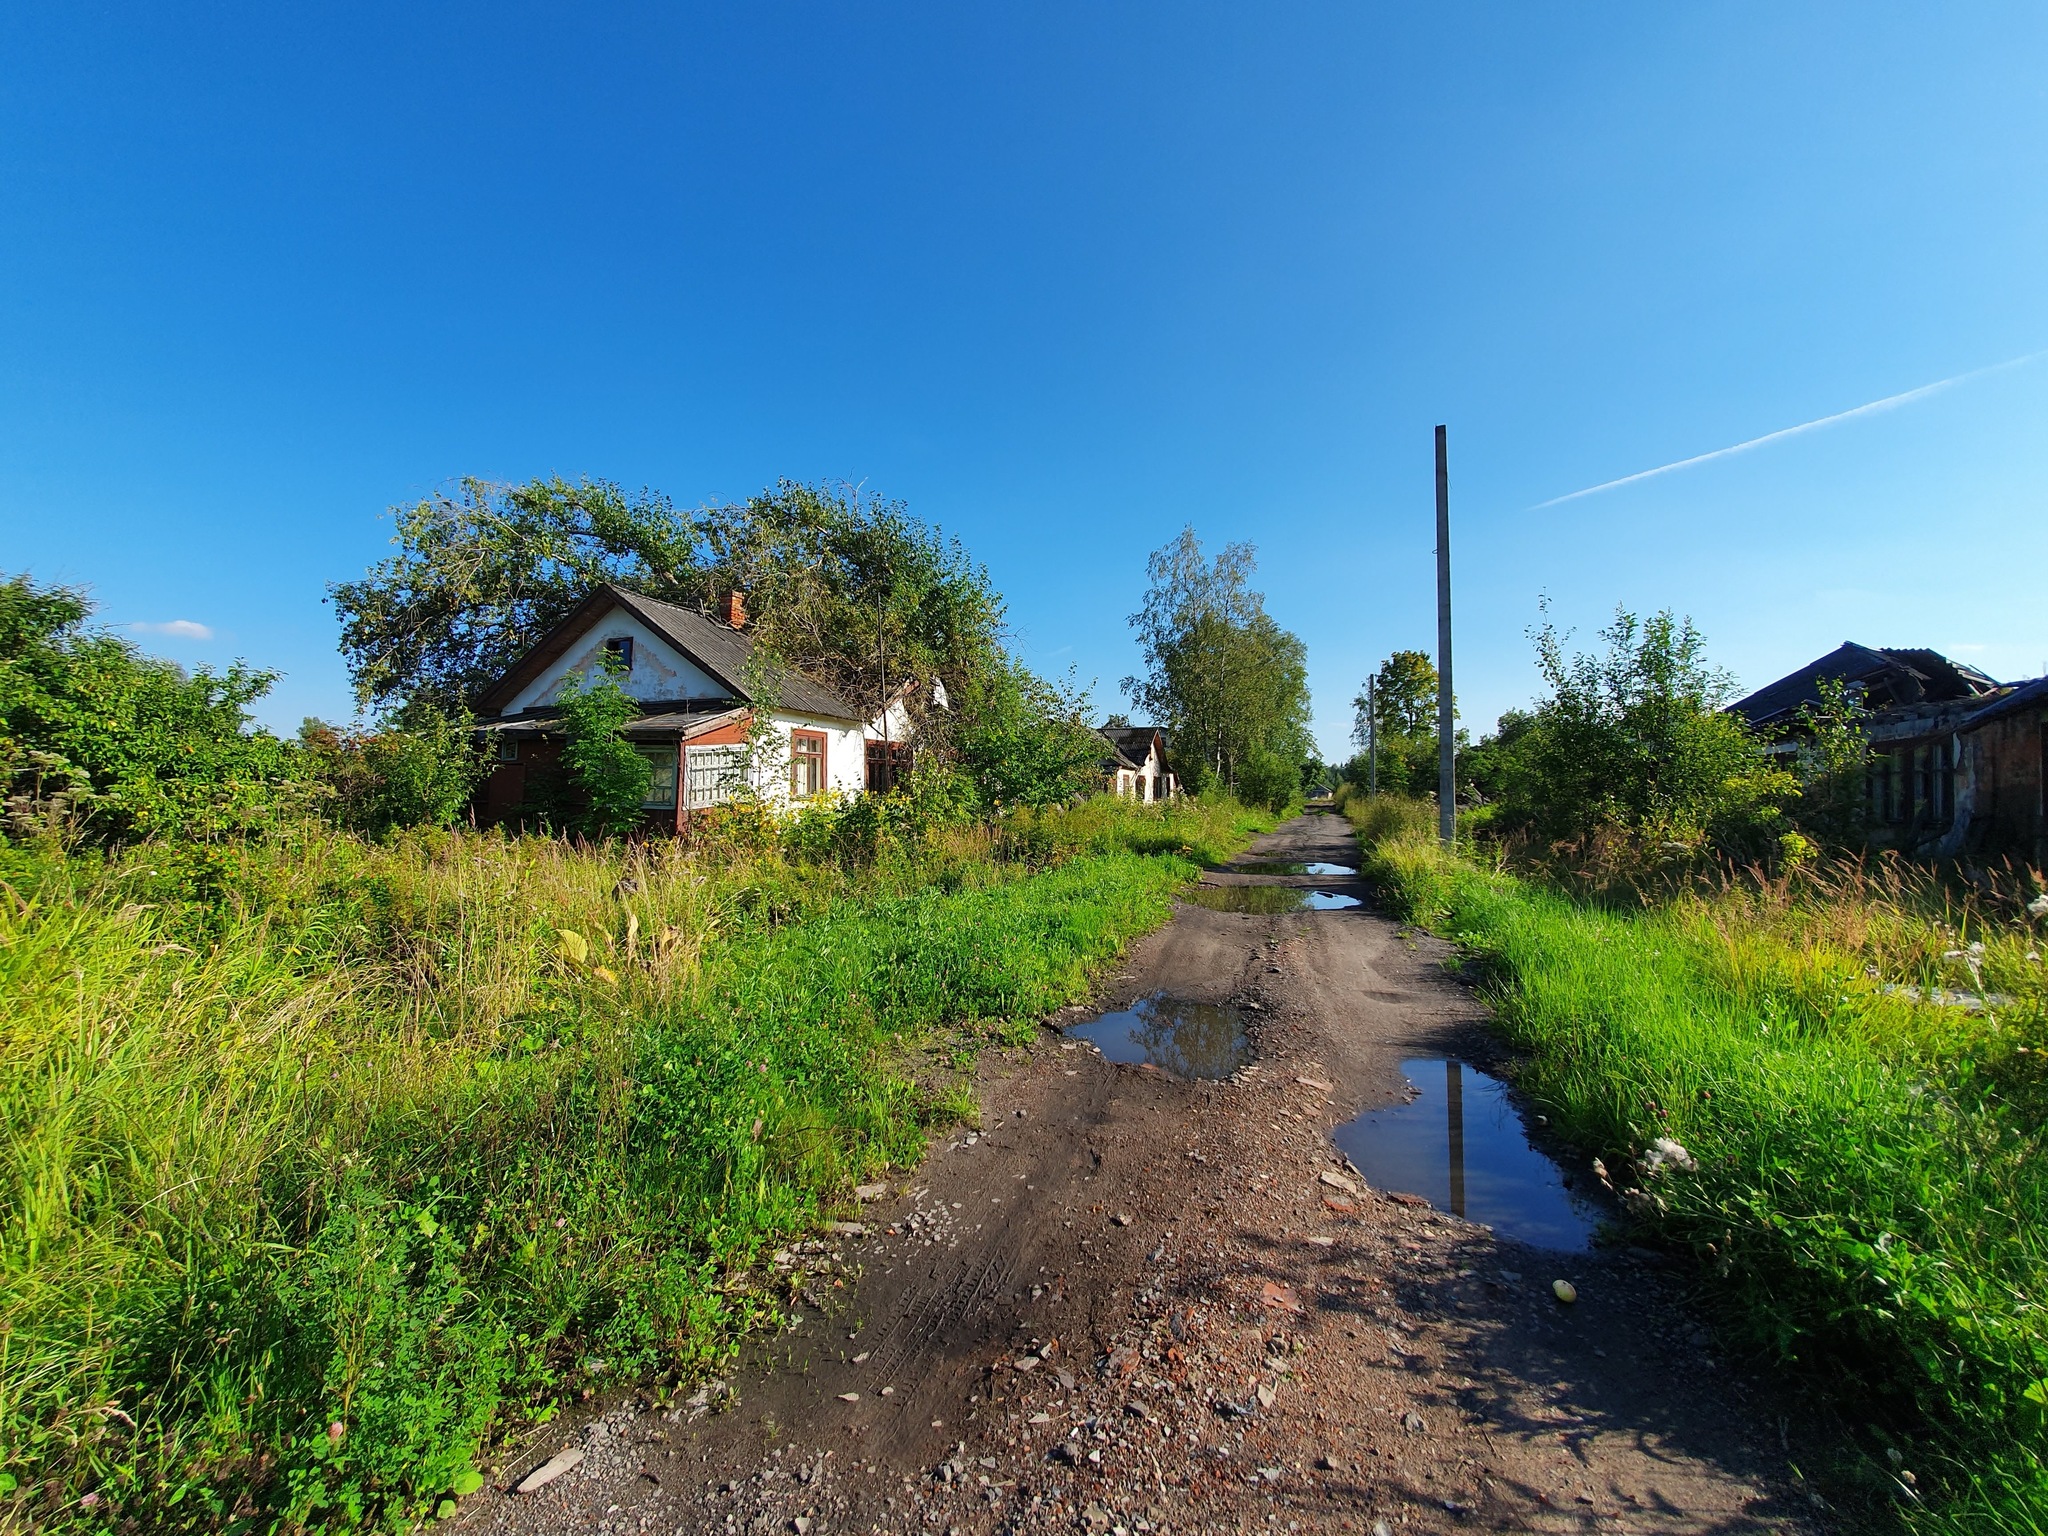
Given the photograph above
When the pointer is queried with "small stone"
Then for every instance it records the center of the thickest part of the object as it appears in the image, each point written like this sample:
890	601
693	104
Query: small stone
549	1470
888	1391
862	1356
867	1193
1274	1294
1321	1240
1027	1363
1329	1464
802	1524
1314	1082
1564	1291
1337	1181
846	1229
849	1397
1414	1423
1267	1393
1122	1218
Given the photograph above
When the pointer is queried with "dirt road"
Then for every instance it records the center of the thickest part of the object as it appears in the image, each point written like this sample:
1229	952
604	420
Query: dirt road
1136	1303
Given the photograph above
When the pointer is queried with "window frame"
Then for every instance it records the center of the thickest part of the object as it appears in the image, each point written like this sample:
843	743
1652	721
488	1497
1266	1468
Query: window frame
621	647
798	759
660	756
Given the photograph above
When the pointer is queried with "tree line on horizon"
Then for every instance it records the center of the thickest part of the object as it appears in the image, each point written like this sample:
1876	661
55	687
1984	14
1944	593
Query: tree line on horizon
119	746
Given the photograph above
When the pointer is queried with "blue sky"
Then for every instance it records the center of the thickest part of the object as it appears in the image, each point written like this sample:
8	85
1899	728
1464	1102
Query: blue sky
1063	278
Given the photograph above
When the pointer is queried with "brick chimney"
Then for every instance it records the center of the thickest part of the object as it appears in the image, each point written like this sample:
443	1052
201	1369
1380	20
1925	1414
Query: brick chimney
735	610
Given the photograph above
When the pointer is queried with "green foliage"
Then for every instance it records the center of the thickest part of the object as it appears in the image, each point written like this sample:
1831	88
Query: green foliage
607	772
483	573
379	781
1399	708
1832	762
1024	741
1383	817
1221	676
414	1137
134	746
1269	781
1633	742
1402	695
834	582
1871	1182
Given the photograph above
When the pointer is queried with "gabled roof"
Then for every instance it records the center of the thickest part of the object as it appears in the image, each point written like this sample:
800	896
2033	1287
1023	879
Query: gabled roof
1888	679
1133	743
715	649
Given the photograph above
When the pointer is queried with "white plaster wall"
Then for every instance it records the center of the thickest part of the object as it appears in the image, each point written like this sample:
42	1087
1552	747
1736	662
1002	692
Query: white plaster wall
658	672
898	719
846	754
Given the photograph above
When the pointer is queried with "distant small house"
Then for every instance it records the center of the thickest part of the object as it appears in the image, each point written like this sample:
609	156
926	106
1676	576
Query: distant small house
689	671
1135	765
1958	760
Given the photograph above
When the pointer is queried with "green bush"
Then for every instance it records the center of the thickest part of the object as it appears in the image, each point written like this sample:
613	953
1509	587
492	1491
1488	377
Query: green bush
97	739
381	781
1633	742
606	770
1268	780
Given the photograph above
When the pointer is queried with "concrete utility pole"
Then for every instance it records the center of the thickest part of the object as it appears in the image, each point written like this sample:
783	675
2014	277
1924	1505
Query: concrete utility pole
1446	743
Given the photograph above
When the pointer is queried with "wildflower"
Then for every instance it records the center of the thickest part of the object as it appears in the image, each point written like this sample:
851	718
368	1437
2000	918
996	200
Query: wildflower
335	1432
1663	1153
2038	907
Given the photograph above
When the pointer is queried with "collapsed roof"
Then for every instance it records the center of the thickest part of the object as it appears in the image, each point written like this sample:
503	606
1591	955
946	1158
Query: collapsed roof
1884	678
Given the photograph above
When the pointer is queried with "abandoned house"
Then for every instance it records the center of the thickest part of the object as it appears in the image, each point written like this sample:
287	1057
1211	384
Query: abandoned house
689	671
1958	760
1135	765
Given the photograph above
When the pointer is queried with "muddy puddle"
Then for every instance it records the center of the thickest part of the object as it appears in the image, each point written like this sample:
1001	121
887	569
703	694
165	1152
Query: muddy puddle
1320	871
1266	900
1177	1036
1461	1145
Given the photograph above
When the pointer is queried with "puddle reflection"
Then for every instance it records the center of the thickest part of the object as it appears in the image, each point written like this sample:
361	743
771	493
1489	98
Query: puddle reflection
1461	1145
1266	899
1173	1034
1266	867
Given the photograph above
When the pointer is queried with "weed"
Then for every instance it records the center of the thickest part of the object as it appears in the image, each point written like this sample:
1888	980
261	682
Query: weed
1869	1175
326	1160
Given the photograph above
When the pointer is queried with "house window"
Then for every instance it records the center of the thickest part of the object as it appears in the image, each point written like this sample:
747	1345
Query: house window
711	774
888	765
508	749
806	763
620	649
661	782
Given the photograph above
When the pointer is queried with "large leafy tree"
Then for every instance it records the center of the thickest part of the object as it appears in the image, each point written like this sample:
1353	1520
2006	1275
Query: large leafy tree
1221	675
1398	710
849	589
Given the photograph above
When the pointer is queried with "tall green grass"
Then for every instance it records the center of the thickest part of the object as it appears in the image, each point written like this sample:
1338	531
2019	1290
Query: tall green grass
326	1159
1871	1189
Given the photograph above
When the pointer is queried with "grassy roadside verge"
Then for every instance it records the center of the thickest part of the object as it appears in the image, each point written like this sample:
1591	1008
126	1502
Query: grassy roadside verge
1868	1201
326	1159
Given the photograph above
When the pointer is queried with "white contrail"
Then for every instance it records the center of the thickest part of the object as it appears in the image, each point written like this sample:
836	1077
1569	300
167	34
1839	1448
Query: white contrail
1886	404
